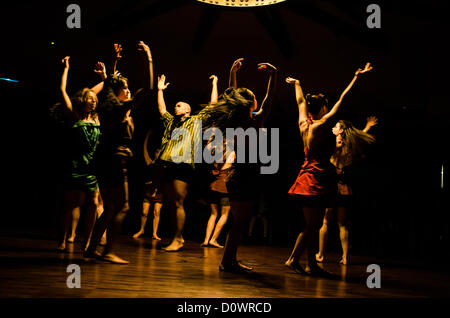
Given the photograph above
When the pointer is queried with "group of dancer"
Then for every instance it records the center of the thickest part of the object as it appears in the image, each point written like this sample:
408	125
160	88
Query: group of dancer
101	132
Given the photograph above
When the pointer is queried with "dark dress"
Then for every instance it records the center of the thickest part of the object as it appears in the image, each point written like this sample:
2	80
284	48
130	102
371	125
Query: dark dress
84	140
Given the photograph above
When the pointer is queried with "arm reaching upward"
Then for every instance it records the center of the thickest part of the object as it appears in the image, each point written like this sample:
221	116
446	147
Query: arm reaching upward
148	54
266	105
371	121
214	92
118	56
162	85
63	86
336	106
99	69
301	101
234	68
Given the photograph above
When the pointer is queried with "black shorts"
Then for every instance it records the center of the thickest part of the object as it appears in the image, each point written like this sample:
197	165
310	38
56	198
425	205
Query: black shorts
171	171
219	198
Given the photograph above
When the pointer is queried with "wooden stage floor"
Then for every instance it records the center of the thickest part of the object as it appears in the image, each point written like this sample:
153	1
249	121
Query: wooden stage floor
30	267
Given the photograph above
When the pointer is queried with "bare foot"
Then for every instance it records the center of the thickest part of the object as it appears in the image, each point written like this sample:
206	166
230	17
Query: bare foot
156	237
138	234
215	244
319	257
175	246
296	267
204	244
61	247
113	258
343	261
71	239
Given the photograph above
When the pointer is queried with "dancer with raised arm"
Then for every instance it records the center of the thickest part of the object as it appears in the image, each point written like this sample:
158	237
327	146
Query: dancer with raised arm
314	180
81	187
350	145
238	108
176	158
114	154
217	193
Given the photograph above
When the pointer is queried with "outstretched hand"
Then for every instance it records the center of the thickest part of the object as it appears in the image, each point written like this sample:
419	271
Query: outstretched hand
65	61
144	48
367	68
118	50
214	79
237	65
292	81
100	69
162	85
372	121
267	67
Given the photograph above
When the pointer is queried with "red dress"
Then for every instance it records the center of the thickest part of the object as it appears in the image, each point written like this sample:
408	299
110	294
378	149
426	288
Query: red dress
314	176
311	179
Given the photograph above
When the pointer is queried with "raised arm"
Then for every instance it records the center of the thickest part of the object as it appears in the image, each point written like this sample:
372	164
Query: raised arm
301	101
162	85
63	86
336	106
214	92
148	55
118	55
234	68
371	121
99	69
266	105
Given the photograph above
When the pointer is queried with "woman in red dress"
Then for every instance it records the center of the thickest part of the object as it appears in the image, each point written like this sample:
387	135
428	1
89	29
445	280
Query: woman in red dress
314	179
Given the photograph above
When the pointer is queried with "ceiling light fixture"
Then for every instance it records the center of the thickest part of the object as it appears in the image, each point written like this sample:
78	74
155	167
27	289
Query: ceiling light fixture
242	3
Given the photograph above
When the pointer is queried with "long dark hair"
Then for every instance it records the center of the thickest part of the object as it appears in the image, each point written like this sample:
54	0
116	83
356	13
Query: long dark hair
354	144
231	110
110	91
315	104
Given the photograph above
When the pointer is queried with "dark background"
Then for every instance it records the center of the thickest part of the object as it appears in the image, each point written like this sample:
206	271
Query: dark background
400	211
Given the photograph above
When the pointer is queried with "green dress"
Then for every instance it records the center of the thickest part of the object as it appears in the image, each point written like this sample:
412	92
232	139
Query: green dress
84	140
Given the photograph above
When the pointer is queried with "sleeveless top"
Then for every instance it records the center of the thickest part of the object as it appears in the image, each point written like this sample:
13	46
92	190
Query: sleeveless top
314	177
84	141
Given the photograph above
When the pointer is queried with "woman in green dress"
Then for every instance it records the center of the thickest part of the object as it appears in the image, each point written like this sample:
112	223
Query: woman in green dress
80	186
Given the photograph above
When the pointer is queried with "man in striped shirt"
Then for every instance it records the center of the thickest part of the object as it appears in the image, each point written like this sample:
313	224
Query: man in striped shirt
180	146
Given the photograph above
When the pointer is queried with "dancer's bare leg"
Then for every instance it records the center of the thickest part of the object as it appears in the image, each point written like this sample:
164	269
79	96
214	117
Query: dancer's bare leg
220	224
73	228
323	235
156	215
343	233
176	191
91	215
72	200
115	198
211	223
145	209
305	240
241	211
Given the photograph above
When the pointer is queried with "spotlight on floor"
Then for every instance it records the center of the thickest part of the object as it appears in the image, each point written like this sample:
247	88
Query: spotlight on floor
242	3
